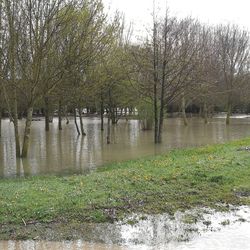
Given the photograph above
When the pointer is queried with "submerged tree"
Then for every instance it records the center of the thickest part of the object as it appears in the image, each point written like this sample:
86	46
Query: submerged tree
173	53
232	47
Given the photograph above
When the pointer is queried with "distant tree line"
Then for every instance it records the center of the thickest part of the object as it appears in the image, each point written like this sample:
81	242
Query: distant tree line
67	56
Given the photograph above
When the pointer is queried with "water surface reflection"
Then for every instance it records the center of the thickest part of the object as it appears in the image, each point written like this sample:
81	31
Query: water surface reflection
161	232
64	152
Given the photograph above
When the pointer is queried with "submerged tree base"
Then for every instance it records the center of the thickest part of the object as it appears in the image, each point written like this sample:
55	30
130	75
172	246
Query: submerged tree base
180	180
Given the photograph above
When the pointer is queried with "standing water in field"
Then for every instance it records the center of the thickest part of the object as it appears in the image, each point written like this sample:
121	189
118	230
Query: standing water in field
212	230
64	152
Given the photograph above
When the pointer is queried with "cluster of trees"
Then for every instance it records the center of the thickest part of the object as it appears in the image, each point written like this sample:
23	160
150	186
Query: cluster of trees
187	62
69	55
50	52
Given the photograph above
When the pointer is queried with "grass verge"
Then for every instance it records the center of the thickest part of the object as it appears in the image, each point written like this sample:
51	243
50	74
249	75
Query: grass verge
179	180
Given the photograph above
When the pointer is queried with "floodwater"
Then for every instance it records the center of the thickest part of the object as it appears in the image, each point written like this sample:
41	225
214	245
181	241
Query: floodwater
214	230
64	152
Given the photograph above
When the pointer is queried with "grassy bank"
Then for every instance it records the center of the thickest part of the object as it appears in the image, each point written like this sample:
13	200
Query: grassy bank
181	179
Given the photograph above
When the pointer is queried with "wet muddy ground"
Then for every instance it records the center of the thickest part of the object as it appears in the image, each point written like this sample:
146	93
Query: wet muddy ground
197	229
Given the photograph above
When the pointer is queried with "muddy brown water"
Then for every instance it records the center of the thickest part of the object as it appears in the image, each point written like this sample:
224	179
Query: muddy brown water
64	152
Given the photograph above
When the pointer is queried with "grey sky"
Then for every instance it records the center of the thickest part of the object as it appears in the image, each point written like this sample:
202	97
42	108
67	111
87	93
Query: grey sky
208	11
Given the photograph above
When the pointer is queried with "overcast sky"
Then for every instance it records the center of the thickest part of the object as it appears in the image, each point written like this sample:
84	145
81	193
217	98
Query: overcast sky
139	12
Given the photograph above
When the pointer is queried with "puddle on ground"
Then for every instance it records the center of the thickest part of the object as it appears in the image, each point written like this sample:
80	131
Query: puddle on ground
211	230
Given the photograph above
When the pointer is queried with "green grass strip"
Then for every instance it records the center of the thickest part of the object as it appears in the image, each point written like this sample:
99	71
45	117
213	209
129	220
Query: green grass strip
179	180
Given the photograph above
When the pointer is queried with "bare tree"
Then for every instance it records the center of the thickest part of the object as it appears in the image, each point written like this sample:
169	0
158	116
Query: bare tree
174	54
232	45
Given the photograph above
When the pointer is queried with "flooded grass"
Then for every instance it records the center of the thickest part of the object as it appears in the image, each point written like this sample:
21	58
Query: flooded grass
65	153
178	181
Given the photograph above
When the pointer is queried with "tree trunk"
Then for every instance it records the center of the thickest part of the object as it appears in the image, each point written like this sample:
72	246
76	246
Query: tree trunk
200	112
13	116
183	108
77	128
0	122
81	122
60	115
155	113
102	113
130	113
46	110
121	115
163	79
113	117
15	122
156	62
116	115
67	120
66	115
27	132
161	116
229	112
155	103
205	113
12	62
108	131
126	114
111	113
